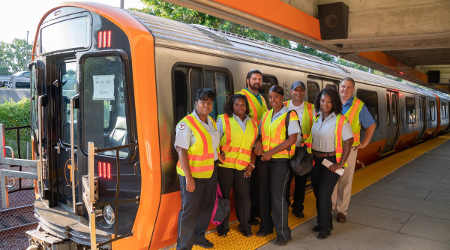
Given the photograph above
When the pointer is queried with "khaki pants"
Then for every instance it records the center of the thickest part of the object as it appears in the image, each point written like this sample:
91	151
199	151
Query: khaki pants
343	189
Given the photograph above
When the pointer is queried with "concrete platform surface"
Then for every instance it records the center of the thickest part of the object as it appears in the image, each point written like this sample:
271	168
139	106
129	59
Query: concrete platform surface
407	210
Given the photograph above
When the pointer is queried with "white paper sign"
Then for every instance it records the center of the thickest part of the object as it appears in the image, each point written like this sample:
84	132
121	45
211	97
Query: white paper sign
103	87
327	163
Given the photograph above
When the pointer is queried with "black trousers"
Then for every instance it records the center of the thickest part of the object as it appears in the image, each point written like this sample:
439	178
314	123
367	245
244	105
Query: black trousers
273	178
254	190
299	191
196	209
323	182
232	178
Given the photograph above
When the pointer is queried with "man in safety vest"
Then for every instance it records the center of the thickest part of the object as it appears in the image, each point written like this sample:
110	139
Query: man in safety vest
305	112
358	116
258	107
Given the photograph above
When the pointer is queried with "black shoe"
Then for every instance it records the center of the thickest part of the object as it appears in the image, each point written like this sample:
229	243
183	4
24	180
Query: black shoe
263	233
222	231
316	228
280	242
253	221
203	242
323	235
247	232
298	213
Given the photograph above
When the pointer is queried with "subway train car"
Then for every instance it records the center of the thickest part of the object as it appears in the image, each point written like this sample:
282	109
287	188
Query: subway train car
108	87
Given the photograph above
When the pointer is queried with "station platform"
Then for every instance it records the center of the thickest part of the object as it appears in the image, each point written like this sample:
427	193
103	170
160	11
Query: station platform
399	202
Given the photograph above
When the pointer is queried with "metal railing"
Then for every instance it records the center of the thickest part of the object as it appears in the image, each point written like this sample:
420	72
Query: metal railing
90	197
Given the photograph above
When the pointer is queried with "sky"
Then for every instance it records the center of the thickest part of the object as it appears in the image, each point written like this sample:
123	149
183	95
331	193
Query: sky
19	16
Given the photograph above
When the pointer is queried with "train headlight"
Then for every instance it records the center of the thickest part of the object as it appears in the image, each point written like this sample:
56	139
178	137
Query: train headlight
108	215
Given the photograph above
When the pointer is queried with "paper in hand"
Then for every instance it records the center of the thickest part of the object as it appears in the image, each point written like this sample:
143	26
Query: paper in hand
328	164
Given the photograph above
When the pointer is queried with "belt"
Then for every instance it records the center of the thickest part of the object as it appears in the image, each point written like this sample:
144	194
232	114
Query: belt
323	154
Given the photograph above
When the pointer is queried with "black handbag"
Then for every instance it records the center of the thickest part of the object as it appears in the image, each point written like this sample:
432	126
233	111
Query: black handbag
301	162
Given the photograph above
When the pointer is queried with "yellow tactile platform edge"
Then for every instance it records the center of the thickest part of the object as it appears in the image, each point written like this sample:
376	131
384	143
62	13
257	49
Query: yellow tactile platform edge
362	179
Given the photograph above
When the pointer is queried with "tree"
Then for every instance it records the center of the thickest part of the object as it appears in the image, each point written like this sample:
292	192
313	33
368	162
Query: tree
185	15
14	56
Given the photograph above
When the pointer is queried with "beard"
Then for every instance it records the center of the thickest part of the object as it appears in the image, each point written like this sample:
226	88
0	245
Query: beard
254	86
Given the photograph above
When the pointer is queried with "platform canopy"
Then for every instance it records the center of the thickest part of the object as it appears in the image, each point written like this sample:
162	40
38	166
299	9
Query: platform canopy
400	37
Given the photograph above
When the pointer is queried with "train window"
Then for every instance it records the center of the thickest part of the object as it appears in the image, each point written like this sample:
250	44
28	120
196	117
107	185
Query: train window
268	81
370	98
313	90
69	89
394	100
443	110
388	109
187	79
410	110
333	86
104	96
432	111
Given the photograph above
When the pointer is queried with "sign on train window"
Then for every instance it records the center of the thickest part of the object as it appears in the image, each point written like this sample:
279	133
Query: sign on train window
69	34
432	111
370	98
410	110
109	104
188	79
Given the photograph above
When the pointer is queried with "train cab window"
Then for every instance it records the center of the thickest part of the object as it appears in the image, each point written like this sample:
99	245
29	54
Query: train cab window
104	95
432	111
410	110
268	81
187	79
333	86
370	98
68	76
313	90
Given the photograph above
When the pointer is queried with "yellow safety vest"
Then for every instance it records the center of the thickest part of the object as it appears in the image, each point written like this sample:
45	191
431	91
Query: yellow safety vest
201	153
307	120
338	142
237	144
274	133
352	115
257	109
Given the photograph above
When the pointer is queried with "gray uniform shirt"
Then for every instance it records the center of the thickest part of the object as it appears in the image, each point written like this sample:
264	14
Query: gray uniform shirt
184	137
323	138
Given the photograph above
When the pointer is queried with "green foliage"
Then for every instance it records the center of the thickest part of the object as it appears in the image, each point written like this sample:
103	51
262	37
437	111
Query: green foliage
353	65
185	15
14	56
15	114
314	52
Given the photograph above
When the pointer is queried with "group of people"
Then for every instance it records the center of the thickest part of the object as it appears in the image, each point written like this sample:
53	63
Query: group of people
249	148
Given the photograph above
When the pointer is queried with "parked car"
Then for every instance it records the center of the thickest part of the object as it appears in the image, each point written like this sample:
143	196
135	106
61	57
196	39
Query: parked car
19	80
4	79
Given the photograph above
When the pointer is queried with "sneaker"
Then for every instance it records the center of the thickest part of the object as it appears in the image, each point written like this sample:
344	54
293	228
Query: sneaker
222	231
340	217
263	233
203	242
323	235
280	242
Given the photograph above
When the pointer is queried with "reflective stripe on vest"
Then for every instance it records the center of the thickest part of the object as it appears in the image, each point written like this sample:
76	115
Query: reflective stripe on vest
340	120
255	107
307	121
237	144
201	153
352	115
274	133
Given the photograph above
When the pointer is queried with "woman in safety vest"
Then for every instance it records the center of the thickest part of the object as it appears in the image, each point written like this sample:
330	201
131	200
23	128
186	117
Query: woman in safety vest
277	146
238	134
331	139
197	142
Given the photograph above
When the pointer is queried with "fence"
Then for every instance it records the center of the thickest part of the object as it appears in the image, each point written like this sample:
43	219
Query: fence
16	188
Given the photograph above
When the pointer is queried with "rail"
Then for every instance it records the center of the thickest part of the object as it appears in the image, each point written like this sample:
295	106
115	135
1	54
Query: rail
90	197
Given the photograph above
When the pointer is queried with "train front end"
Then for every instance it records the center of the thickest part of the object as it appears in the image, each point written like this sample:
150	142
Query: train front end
90	93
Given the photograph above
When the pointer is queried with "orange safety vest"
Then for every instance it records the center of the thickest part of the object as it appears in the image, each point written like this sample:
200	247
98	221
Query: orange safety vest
338	143
352	115
307	120
274	133
201	153
237	144
257	109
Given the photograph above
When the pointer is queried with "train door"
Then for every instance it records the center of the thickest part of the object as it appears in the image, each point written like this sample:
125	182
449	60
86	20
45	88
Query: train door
423	114
393	128
67	92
